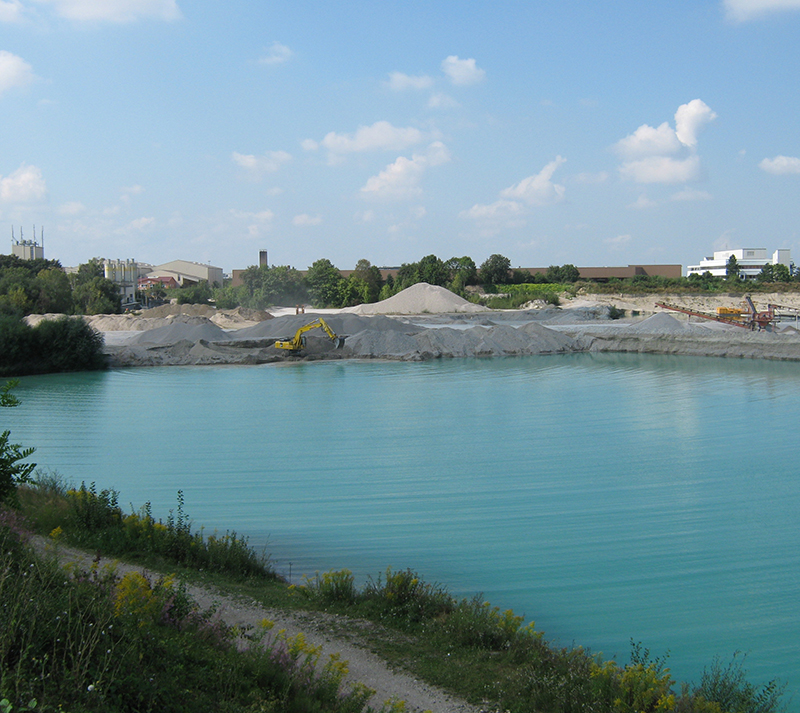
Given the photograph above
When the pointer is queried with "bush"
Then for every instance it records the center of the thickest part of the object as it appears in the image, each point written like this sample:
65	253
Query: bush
64	344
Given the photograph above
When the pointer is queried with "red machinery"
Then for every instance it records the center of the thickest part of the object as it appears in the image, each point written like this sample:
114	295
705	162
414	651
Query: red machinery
748	317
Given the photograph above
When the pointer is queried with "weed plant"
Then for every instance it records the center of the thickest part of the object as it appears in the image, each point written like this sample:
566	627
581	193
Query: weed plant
488	655
94	520
89	641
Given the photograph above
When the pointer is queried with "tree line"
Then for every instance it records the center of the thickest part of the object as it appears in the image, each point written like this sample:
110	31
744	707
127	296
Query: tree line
40	286
324	285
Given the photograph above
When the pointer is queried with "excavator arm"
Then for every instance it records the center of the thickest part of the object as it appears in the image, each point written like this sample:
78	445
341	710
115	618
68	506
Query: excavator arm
296	343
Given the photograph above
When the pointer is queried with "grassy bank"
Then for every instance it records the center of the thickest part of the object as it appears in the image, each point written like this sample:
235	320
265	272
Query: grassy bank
116	641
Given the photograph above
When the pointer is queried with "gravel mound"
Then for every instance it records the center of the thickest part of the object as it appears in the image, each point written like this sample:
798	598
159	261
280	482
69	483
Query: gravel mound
420	299
661	322
180	331
341	324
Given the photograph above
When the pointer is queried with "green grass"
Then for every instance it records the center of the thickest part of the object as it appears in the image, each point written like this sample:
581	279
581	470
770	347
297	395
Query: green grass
470	648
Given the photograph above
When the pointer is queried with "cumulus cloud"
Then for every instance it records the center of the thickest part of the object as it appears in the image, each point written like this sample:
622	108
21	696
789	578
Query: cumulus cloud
442	101
399	82
690	118
664	154
515	201
744	10
499	210
538	189
263	216
462	72
141	223
646	140
115	10
780	165
14	72
270	162
10	10
400	180
662	169
381	136
304	219
25	185
643	203
276	54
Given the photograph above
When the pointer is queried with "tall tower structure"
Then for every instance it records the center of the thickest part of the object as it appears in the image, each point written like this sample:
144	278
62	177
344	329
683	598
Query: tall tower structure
262	258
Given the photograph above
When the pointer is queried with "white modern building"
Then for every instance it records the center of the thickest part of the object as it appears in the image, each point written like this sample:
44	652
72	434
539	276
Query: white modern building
750	261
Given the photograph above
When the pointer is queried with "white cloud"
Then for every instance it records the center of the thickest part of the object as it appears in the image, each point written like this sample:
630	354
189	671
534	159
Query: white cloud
462	72
14	72
134	190
270	162
690	118
305	220
651	153
646	141
309	145
662	169
499	210
263	216
115	10
141	223
25	185
400	179
366	216
780	165
538	189
381	136
71	208
399	82
442	101
277	54
643	203
689	194
744	10
10	10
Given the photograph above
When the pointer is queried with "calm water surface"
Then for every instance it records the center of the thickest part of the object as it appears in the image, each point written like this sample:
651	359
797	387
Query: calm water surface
606	497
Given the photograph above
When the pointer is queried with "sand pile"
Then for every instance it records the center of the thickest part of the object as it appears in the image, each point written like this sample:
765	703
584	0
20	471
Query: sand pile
421	298
181	331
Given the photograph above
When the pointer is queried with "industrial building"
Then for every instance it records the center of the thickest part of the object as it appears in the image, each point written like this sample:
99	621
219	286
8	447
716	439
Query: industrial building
749	260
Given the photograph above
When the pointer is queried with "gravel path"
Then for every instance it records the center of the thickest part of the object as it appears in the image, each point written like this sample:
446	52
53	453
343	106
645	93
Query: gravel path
319	629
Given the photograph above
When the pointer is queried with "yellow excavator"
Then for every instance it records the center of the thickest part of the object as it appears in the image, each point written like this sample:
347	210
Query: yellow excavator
296	343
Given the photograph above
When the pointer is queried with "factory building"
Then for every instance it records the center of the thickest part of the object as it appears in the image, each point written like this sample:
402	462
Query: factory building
750	261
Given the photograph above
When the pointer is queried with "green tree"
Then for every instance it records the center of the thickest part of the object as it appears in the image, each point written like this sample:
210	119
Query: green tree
371	277
780	273
462	272
495	270
433	271
199	293
12	471
732	269
324	283
54	291
570	273
97	296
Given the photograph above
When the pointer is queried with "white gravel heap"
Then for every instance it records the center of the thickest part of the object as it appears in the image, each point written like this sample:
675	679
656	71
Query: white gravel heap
421	298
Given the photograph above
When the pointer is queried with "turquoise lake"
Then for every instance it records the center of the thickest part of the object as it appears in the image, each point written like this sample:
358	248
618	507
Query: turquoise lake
606	497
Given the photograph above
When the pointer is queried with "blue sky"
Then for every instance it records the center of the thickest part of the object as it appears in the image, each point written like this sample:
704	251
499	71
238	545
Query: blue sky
561	132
